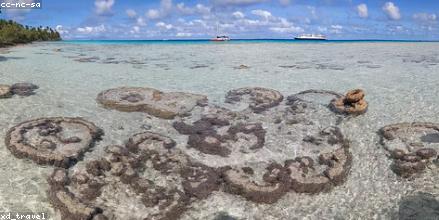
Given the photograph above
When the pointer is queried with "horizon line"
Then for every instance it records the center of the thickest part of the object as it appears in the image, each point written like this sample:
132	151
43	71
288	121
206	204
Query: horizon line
256	39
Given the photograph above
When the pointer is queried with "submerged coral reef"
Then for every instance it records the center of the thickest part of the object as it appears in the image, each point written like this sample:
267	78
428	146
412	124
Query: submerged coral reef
257	146
152	101
20	89
412	146
55	141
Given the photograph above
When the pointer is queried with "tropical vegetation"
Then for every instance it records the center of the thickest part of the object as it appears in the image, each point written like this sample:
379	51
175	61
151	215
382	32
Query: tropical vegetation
12	33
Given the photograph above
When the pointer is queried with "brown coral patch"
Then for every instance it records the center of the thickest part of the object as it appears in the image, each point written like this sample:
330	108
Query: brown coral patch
309	175
259	99
151	101
141	174
408	146
268	189
157	148
204	135
200	180
23	89
55	141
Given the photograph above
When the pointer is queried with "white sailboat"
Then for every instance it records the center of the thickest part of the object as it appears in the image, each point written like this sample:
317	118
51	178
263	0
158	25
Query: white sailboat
220	38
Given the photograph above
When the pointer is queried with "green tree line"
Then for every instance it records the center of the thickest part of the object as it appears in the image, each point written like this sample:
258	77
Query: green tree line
12	33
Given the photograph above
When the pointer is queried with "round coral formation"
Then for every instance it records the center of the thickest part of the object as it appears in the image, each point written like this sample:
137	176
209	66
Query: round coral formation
258	99
24	89
412	146
54	141
152	101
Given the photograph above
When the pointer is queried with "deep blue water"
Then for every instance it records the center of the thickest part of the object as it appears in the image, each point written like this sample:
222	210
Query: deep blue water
238	41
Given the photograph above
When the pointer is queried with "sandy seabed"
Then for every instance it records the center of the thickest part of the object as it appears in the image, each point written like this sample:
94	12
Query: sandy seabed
401	81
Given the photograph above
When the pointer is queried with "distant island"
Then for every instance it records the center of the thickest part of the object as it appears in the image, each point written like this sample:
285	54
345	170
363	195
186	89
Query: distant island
13	33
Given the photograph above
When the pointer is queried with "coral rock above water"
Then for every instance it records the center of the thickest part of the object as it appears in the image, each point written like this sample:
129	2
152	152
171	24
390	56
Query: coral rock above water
352	103
5	91
152	101
55	141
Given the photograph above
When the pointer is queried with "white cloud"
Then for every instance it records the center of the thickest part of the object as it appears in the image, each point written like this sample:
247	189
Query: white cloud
103	7
91	30
165	8
197	9
322	29
392	11
135	30
183	34
202	9
237	2
164	26
131	13
265	20
362	11
313	12
61	29
140	21
291	29
181	7
425	17
262	13
166	5
238	15
153	14
336	29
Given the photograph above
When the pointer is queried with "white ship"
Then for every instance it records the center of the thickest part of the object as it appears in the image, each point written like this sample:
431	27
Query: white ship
311	37
220	38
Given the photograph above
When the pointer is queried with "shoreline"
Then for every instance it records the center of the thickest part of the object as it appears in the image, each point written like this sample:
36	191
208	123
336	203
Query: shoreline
4	50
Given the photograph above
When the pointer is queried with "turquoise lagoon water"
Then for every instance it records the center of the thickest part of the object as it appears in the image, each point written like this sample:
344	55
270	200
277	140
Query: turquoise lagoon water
235	41
400	78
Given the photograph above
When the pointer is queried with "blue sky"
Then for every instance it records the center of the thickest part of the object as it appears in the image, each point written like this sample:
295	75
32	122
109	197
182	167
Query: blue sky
182	19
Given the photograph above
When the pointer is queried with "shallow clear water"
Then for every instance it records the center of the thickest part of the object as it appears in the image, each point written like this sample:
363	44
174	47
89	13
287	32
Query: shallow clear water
401	81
